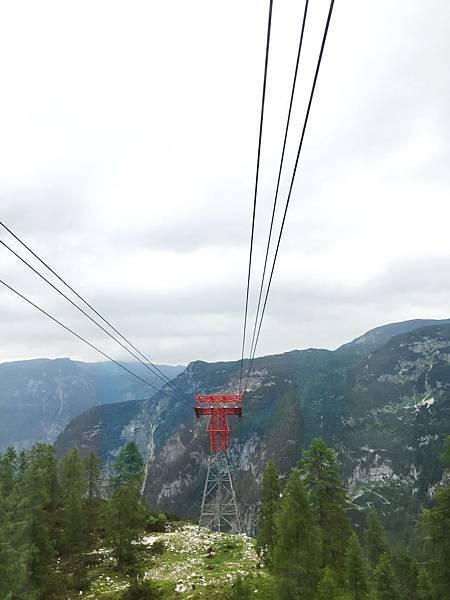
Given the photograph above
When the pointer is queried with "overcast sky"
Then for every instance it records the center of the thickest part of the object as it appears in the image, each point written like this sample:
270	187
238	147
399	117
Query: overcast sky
128	137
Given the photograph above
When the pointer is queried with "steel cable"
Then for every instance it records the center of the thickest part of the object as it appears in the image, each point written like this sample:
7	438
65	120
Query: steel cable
263	99
324	38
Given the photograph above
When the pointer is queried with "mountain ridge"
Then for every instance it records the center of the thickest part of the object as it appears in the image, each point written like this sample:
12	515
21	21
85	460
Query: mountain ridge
371	406
39	397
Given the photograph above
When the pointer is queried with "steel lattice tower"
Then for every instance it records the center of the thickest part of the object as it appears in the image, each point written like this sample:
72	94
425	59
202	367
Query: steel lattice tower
219	507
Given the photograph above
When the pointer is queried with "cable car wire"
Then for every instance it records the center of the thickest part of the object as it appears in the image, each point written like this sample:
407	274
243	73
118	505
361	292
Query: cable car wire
150	365
288	120
263	99
78	335
319	61
83	311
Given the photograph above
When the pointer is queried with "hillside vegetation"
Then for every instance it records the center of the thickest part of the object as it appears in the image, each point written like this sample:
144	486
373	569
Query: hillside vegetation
186	562
381	402
65	533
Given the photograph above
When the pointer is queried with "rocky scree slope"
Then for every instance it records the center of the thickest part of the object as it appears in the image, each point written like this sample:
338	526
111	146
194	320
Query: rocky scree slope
385	410
185	562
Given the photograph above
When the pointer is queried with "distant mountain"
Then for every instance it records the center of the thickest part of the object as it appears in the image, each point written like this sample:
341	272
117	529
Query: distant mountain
385	409
39	397
375	338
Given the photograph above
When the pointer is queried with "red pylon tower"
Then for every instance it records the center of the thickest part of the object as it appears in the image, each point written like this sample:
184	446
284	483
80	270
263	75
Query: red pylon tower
219	507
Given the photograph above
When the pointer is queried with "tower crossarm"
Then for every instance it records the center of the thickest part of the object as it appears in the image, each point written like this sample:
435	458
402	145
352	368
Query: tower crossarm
206	404
218	407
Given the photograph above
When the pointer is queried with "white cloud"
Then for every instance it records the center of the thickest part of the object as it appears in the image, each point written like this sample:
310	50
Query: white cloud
128	154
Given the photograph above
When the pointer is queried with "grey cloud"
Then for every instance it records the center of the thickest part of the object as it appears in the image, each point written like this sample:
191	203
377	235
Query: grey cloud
54	208
153	179
295	317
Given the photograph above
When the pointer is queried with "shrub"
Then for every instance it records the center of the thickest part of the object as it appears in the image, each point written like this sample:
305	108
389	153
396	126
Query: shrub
156	522
158	547
142	590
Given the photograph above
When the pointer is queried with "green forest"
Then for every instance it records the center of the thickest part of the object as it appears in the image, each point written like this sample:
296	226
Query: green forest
65	527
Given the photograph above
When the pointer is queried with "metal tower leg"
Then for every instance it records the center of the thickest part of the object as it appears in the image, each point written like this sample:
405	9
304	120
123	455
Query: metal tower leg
219	507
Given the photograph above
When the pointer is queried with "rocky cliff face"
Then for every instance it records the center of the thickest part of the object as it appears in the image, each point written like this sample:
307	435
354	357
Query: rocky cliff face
38	398
385	409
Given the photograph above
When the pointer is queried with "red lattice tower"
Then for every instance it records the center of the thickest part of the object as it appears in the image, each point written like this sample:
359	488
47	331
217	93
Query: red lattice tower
219	507
218	407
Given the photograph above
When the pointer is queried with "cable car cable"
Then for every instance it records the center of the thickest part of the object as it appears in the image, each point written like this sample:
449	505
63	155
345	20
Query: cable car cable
78	335
157	371
269	239
263	98
324	38
81	310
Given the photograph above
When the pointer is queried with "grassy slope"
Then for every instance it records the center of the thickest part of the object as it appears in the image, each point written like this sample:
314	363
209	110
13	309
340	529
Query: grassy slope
195	564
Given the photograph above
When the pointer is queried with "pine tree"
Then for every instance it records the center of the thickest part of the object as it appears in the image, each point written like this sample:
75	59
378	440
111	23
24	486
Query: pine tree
8	470
23	462
91	466
328	499
424	585
13	552
296	555
92	503
376	538
142	590
128	464
125	520
356	570
12	570
386	584
406	570
73	489
37	503
437	521
126	513
327	588
270	501
12	559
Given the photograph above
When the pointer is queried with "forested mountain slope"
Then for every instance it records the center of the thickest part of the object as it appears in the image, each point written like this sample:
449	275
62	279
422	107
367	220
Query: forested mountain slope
385	409
39	397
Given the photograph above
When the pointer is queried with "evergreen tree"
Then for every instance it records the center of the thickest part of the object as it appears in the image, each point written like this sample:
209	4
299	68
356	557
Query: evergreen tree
407	573
92	504
270	500
144	590
386	584
424	585
126	513
437	521
296	555
328	499
73	488
8	470
23	462
125	522
37	502
327	588
75	536
12	569
91	465
12	559
376	538
356	570
128	464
